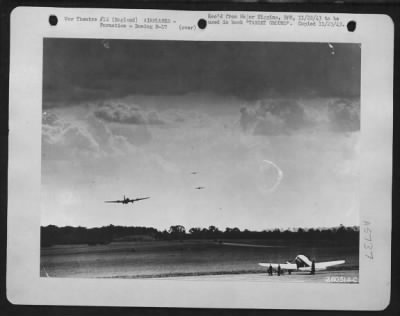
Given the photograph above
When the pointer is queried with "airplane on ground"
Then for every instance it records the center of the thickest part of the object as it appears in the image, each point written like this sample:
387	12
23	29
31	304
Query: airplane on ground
301	263
127	200
199	188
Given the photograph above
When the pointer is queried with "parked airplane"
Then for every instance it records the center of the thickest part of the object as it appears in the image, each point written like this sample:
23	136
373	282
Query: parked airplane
302	263
127	200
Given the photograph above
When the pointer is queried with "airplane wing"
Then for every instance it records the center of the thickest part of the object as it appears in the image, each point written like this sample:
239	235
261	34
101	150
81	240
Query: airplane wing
138	199
324	265
118	201
284	266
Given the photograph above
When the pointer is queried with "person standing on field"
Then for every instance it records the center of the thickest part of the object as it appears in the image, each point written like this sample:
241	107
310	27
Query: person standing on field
313	267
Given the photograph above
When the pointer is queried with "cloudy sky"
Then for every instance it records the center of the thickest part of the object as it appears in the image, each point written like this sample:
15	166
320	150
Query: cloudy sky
272	130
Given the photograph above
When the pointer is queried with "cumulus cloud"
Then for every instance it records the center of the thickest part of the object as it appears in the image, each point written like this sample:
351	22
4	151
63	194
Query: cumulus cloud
280	117
120	113
288	110
154	119
344	115
273	117
247	118
127	114
82	148
49	118
135	135
63	139
100	132
85	132
270	125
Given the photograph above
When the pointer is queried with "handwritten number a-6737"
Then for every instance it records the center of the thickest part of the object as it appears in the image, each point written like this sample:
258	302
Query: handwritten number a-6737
369	255
368	234
368	245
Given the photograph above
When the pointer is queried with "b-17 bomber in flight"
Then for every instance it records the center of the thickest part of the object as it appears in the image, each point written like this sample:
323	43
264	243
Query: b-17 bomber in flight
127	200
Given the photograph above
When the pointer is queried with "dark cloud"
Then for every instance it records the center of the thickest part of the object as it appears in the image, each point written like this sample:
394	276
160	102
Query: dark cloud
344	115
80	70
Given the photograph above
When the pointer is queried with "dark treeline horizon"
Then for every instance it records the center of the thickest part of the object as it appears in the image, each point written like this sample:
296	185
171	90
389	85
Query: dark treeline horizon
52	234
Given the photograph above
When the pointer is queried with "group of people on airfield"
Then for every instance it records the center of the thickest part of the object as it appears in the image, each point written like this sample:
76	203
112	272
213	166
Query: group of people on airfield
279	271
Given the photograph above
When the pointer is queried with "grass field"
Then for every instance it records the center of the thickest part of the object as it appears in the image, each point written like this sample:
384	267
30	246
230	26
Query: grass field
149	259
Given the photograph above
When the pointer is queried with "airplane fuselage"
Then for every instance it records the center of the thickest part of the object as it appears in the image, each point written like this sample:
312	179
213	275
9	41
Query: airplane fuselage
301	263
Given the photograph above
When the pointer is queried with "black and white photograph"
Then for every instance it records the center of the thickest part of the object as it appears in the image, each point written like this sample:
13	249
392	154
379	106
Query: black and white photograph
200	160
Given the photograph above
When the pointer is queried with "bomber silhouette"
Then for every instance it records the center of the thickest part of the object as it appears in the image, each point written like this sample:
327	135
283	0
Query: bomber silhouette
127	200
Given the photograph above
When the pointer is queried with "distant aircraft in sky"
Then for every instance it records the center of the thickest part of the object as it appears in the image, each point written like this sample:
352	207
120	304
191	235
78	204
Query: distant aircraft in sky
199	188
127	200
302	263
194	172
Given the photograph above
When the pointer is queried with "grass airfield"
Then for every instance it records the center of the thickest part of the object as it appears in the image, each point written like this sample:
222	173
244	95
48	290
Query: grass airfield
196	260
331	276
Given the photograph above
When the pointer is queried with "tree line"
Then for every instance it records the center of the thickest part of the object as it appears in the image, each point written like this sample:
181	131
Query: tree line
51	235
